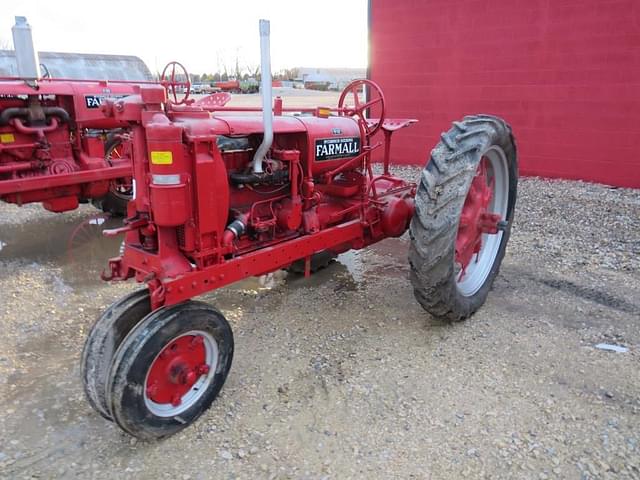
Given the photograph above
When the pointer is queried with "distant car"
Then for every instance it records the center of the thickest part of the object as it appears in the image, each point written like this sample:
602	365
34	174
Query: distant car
208	88
198	87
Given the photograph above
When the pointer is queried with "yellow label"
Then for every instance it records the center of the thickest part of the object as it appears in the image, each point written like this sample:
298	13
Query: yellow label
7	138
161	158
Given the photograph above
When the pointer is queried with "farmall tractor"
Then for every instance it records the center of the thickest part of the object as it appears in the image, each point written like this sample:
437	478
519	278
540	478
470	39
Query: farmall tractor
57	146
223	193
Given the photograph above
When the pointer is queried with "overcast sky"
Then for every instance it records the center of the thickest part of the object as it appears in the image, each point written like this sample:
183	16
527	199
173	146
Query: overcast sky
203	35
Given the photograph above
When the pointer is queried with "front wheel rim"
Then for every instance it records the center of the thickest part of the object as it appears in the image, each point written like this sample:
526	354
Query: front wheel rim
180	375
482	219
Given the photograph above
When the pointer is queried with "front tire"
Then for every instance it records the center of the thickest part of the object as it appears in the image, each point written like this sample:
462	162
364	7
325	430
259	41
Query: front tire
169	369
104	338
464	212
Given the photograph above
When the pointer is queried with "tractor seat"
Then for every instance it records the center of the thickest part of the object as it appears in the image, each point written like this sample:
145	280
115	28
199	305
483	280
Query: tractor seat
219	99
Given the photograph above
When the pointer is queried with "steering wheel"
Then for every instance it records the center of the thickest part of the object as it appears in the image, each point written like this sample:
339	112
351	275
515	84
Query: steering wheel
171	83
359	109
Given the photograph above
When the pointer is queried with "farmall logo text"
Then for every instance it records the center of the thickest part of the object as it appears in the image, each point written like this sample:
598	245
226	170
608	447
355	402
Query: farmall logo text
94	101
334	148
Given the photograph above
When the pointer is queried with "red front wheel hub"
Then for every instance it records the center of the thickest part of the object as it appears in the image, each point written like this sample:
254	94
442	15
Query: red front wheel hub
176	370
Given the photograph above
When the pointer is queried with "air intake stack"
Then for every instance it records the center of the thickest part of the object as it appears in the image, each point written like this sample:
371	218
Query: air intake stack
26	55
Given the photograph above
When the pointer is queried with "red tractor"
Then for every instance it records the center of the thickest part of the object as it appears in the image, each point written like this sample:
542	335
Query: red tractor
220	196
58	147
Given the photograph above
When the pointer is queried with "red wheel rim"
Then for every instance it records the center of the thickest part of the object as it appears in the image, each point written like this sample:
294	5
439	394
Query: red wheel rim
479	236
180	373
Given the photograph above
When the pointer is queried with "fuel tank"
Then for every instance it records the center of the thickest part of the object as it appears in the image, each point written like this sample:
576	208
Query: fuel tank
331	142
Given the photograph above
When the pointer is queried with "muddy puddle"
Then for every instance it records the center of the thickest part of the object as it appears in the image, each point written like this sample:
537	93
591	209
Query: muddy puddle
78	247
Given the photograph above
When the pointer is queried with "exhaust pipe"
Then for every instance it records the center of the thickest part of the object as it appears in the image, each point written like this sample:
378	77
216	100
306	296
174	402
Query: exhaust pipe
267	102
26	55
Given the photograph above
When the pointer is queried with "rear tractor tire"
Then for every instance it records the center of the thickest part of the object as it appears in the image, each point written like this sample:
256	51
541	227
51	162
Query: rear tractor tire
464	211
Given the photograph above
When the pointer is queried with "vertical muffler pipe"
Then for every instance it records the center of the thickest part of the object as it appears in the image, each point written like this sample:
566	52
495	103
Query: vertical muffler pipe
267	102
26	55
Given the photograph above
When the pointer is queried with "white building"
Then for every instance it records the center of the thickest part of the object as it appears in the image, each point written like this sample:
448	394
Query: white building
336	78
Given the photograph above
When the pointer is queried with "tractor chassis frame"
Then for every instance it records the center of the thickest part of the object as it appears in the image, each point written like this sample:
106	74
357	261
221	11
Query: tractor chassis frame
167	291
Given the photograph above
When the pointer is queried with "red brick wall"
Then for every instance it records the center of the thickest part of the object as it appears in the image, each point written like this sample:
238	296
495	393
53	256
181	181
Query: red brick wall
564	73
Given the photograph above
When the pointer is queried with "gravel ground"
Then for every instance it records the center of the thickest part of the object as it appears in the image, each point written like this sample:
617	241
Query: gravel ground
343	375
